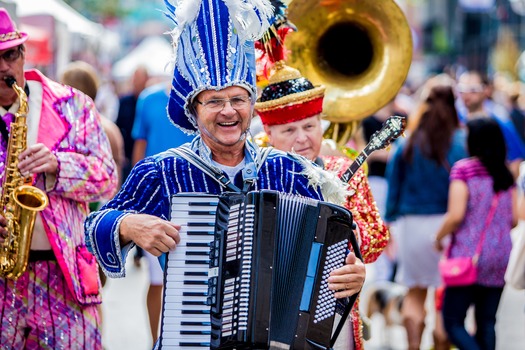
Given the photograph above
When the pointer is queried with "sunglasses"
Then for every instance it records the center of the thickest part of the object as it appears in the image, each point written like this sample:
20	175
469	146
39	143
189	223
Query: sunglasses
12	55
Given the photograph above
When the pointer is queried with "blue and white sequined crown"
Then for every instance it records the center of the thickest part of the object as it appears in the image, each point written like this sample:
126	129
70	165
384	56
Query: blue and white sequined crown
213	42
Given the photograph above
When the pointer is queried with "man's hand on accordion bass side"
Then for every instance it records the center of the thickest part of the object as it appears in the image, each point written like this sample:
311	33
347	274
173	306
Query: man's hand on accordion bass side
149	232
349	279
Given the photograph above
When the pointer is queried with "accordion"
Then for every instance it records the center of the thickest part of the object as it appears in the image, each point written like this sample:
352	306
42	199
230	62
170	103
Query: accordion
251	272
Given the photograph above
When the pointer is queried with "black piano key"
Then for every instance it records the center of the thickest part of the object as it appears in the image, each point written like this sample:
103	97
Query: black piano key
196	283
193	323
197	262
197	253
202	204
200	233
198	212
212	224
194	294
194	303
195	273
197	244
196	332
200	345
195	312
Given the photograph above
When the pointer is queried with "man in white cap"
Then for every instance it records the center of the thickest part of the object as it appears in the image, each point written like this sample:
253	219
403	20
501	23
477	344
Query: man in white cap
53	303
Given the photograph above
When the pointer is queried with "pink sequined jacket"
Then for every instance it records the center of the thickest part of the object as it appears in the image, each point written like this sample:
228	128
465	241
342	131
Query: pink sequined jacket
70	127
373	233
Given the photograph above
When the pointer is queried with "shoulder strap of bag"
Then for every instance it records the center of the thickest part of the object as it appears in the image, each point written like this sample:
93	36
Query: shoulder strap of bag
490	215
492	210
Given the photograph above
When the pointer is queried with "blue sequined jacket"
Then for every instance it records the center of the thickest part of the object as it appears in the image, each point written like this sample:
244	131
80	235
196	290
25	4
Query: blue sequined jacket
155	179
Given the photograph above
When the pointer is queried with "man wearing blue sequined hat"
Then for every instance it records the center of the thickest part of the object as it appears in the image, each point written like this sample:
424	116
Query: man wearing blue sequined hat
213	95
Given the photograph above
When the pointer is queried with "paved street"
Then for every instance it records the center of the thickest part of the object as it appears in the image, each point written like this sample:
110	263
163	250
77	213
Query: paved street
126	326
510	327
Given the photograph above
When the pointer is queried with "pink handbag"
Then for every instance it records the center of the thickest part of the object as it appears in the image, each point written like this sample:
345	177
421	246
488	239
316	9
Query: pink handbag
462	271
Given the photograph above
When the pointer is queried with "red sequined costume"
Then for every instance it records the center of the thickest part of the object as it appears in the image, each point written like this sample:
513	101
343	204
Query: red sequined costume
372	232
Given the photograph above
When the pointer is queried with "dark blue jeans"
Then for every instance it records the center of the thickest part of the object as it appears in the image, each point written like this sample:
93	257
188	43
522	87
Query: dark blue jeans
455	305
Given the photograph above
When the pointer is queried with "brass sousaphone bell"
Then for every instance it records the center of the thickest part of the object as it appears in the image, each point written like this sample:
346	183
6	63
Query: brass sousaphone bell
360	50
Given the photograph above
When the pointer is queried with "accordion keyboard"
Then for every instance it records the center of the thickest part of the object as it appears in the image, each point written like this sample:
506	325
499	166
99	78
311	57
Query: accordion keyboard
186	315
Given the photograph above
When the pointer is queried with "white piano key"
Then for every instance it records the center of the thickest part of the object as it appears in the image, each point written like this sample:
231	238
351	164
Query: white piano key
191	250
191	261
186	338
202	321
187	205
185	299
177	259
180	313
182	278
176	347
174	340
182	328
184	307
176	289
187	288
194	206
185	269
171	324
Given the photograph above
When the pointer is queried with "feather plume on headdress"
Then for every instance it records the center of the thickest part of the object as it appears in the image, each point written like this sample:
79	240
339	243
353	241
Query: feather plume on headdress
270	46
249	23
181	12
249	17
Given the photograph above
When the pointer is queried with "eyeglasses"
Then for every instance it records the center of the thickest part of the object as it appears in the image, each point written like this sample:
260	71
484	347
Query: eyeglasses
217	105
12	55
465	89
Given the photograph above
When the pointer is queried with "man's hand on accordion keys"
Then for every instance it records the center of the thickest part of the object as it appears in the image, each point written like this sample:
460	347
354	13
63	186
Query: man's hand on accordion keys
149	232
349	279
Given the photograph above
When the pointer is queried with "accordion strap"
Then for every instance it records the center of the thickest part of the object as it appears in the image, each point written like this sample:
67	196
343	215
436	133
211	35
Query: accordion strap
217	175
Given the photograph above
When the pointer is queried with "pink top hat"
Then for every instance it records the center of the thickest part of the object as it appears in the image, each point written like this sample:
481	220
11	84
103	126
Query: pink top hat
9	35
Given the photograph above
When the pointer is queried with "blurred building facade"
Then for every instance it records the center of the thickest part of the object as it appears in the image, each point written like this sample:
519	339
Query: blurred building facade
485	35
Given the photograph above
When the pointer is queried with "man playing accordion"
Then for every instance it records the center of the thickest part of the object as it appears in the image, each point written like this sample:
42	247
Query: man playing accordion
213	95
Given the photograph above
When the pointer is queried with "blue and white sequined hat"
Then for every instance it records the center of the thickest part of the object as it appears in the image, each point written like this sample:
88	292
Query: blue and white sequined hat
213	43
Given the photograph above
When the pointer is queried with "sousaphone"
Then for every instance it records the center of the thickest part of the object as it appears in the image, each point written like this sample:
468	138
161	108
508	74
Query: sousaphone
360	50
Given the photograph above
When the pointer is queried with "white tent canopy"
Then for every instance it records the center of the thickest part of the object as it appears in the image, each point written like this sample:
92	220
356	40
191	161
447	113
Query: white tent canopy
153	52
75	22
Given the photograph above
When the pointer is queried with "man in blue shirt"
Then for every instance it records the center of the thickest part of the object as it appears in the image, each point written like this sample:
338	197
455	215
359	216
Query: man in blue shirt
154	133
473	92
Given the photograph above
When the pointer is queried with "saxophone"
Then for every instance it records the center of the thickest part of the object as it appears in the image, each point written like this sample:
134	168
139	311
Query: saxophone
20	201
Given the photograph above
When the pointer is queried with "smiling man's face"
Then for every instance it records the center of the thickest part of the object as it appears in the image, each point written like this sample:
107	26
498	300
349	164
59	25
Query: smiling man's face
223	116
